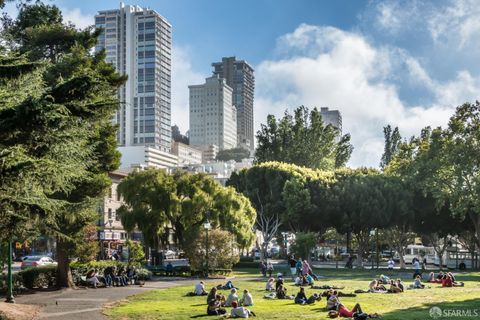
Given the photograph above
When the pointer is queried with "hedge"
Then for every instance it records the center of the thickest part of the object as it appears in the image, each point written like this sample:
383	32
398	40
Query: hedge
247	264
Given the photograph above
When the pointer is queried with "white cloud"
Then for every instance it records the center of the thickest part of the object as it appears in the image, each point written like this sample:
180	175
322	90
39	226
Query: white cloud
75	16
183	75
342	70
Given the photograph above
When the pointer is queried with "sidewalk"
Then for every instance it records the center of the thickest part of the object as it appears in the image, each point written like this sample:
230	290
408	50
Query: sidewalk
88	303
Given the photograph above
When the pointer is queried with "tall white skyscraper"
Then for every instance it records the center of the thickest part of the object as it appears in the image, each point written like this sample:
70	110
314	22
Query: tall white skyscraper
138	43
213	118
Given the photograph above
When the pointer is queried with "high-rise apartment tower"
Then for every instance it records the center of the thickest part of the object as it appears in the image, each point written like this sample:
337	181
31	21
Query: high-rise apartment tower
138	43
212	116
240	77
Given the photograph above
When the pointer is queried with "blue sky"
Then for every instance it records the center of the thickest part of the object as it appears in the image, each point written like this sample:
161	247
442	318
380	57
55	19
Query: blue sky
406	63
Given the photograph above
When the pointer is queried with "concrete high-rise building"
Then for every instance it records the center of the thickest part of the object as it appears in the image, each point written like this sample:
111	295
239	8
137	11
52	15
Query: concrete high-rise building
332	117
240	77
138	43
212	115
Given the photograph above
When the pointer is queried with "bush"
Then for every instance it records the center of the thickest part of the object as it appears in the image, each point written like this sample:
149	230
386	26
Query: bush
39	277
247	264
247	259
144	274
221	251
17	282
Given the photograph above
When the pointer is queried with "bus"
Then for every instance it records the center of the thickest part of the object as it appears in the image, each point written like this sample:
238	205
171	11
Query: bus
461	259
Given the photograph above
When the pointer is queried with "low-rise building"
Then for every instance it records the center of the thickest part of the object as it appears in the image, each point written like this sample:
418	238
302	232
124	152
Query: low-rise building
186	154
146	156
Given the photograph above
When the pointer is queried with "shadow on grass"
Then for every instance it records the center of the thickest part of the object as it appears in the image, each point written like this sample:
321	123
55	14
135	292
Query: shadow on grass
467	309
200	316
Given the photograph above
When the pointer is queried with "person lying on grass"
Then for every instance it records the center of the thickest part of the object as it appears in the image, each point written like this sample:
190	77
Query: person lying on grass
247	299
433	279
227	286
326	287
232	297
240	312
356	313
328	293
215	306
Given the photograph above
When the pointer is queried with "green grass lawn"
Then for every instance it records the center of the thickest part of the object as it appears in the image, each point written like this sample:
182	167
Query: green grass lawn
413	304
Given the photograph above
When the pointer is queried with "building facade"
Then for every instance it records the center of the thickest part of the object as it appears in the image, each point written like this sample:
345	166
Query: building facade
186	154
212	116
240	77
145	156
138	42
332	117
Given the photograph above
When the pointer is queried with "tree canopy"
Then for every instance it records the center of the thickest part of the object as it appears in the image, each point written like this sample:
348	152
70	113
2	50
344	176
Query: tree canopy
302	139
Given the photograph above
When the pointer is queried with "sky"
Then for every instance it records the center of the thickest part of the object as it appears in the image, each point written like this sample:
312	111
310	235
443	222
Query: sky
405	63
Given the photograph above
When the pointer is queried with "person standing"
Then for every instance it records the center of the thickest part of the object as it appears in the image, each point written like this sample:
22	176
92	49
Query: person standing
293	266
390	264
299	266
269	269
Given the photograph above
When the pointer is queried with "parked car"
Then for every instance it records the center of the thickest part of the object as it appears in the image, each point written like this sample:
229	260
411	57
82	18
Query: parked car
37	261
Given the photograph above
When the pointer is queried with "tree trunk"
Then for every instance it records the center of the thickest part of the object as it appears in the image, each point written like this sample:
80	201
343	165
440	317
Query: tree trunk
64	274
363	239
401	254
476	223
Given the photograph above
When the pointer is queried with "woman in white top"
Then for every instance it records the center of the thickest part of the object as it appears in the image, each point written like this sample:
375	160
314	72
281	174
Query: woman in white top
232	297
270	285
247	299
200	289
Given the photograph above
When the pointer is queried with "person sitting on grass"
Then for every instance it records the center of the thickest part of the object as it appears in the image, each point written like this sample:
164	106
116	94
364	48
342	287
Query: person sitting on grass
240	312
92	278
232	297
400	285
394	288
212	294
332	300
200	289
215	307
270	286
375	287
417	283
301	298
281	293
313	298
383	279
448	281
310	280
278	283
247	299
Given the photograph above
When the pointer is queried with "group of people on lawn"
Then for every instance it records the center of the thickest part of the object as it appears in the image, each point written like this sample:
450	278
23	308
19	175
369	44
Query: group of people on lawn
112	276
216	302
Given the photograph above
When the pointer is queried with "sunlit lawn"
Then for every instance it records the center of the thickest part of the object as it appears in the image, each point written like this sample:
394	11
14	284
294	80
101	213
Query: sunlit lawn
413	304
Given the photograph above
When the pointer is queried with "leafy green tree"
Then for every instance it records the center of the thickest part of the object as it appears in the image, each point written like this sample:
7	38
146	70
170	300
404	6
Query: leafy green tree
183	201
302	139
87	247
303	244
136	255
392	143
68	116
236	154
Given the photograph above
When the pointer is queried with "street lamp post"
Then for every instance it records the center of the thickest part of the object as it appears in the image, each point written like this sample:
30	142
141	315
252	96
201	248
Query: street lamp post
206	226
10	298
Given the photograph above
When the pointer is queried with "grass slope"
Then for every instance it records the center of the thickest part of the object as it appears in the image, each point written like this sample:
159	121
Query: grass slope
411	305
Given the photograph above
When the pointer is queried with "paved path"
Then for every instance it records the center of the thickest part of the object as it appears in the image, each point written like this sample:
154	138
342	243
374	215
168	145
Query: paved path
88	303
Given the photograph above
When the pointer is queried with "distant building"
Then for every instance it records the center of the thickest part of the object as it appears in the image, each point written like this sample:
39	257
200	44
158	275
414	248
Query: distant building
212	115
178	136
186	154
332	117
209	153
220	171
138	42
147	156
111	233
240	77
